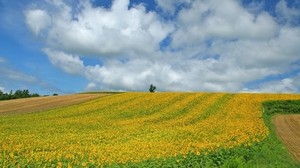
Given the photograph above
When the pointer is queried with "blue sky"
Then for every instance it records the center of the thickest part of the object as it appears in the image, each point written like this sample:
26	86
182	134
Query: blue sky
65	46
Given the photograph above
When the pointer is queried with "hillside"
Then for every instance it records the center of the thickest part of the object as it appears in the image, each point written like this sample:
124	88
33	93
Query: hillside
28	105
138	129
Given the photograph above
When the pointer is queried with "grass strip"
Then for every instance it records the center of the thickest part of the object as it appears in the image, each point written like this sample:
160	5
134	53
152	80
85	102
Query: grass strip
158	107
186	108
213	108
282	107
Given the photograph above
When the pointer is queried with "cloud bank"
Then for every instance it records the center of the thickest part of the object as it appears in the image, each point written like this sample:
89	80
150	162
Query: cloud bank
206	46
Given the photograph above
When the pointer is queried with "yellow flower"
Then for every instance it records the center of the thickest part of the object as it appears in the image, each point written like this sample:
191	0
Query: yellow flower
59	165
84	164
137	126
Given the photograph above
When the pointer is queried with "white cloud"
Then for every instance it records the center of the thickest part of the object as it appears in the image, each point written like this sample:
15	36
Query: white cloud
207	20
287	14
136	74
255	7
98	31
69	63
37	20
15	79
286	85
7	73
91	87
169	6
213	46
2	89
275	54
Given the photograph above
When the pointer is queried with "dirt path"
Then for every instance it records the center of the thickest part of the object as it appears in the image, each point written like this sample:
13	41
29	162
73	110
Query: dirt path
288	129
11	107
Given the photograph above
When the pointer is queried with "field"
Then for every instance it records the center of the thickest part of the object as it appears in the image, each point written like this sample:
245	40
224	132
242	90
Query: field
287	125
36	104
288	130
139	129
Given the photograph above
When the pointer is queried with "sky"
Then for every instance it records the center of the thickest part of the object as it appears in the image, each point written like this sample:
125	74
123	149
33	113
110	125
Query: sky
71	46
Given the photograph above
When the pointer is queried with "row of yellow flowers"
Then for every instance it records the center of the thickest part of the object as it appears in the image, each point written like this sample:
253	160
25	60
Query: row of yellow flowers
132	127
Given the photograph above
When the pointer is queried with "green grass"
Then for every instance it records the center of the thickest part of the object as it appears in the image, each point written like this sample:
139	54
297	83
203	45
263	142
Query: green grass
282	107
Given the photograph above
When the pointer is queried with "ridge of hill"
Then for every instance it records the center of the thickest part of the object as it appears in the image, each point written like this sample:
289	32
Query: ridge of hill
36	104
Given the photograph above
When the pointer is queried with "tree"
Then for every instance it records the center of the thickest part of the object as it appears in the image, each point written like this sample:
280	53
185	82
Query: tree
10	95
17	94
25	93
152	88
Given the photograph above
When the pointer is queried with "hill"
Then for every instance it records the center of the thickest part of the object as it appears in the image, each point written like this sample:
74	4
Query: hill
147	129
36	104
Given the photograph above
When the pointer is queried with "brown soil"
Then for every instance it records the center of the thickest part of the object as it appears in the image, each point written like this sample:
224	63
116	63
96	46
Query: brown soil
36	104
288	129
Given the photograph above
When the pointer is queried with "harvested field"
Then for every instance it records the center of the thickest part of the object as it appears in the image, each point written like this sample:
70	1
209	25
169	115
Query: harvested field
287	128
26	105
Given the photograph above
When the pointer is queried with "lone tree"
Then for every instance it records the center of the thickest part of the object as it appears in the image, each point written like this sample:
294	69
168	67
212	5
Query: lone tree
152	88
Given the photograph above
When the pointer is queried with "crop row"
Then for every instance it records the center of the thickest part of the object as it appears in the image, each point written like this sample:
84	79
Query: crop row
132	127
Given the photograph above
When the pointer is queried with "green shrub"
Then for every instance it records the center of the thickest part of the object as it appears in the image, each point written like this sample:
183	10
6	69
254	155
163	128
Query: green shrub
282	107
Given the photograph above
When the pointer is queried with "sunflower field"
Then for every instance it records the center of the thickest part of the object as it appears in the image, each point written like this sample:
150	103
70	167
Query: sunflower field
132	128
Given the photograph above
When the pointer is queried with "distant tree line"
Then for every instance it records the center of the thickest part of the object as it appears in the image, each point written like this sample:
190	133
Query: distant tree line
17	94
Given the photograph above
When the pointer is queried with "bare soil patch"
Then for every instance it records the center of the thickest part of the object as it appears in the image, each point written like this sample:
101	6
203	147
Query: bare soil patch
36	104
288	129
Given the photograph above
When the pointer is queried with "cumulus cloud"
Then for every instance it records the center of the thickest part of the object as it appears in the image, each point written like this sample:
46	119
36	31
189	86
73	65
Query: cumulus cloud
69	63
207	46
37	20
210	20
136	74
255	7
91	87
286	85
170	6
275	54
287	14
99	31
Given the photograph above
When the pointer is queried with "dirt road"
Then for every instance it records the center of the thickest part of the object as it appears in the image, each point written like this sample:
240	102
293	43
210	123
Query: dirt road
288	129
11	107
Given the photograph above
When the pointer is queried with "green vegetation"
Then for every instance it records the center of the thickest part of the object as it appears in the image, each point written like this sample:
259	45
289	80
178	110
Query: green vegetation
268	153
152	88
282	107
126	130
17	94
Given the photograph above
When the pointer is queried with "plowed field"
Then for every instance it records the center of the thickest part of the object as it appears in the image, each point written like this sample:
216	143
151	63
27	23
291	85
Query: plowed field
10	107
288	129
